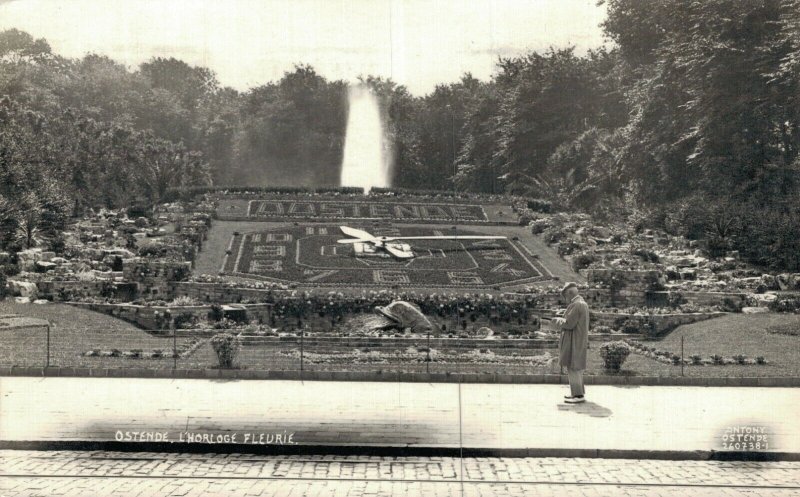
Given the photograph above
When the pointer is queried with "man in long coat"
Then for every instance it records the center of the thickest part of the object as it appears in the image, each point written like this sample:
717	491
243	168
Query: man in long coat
574	341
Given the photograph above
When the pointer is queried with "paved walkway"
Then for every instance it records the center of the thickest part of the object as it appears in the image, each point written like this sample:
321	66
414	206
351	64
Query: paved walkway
492	416
25	473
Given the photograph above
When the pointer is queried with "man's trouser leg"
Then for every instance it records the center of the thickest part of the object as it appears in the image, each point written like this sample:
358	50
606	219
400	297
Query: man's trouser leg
575	382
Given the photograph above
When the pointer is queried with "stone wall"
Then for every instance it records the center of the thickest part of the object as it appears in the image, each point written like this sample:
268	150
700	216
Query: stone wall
70	290
598	297
622	288
722	299
623	278
602	298
216	292
644	288
153	277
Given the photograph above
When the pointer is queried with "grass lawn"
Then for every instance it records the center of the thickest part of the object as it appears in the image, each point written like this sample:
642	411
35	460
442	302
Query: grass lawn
500	213
773	336
73	332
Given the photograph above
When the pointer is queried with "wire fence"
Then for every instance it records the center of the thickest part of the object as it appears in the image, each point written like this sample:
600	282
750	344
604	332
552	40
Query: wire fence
51	347
301	350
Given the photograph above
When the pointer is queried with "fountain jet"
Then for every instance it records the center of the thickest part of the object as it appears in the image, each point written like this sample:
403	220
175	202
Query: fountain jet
366	161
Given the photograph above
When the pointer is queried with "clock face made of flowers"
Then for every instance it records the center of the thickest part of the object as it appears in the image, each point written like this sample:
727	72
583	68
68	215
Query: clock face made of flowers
310	256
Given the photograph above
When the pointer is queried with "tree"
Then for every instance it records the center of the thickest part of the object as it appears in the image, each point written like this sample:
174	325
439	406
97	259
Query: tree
536	103
164	165
710	109
439	121
18	46
292	131
190	84
399	112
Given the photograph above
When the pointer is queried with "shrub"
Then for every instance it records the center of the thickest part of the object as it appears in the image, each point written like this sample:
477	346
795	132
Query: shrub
692	308
603	330
688	217
583	261
630	327
184	300
676	299
635	324
740	359
716	246
731	305
771	236
696	359
645	254
185	320
216	313
785	304
539	225
554	235
180	273
539	205
717	359
614	354
761	360
153	250
568	247
226	346
344	190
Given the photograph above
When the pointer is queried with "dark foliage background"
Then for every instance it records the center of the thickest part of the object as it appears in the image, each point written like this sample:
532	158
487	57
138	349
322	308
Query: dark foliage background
690	122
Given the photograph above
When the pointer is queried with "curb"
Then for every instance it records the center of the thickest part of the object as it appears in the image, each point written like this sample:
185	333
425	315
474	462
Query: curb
398	376
399	451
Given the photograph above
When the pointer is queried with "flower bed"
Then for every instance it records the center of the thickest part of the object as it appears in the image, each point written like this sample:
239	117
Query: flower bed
310	256
185	349
786	303
667	357
420	355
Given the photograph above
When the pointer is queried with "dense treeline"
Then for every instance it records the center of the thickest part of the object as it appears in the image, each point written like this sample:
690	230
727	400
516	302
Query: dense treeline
690	122
76	134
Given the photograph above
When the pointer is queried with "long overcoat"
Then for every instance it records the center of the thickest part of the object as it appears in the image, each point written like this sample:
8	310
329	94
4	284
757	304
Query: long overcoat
574	335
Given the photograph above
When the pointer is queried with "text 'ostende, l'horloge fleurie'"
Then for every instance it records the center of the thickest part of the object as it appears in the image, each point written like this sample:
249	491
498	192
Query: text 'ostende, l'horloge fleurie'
258	438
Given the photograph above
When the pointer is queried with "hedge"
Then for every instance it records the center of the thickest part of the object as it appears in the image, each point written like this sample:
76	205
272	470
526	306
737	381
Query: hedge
189	193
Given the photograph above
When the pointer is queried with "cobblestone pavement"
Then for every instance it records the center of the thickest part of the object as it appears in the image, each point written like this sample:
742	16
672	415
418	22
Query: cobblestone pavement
100	473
